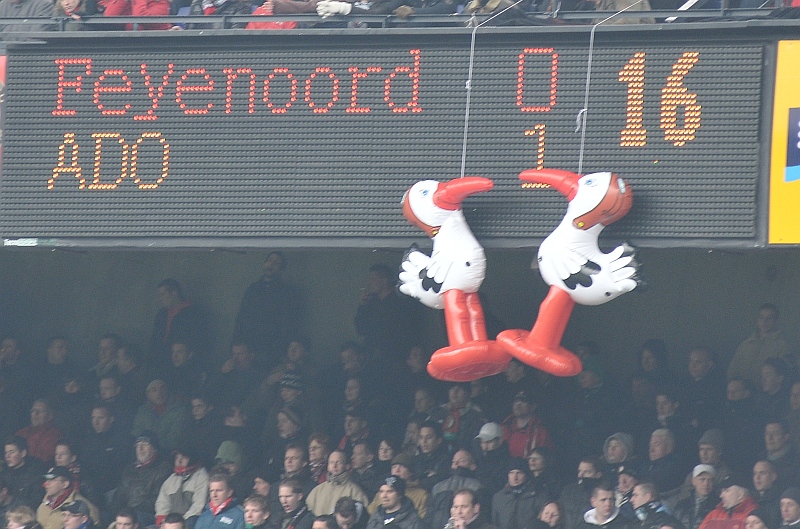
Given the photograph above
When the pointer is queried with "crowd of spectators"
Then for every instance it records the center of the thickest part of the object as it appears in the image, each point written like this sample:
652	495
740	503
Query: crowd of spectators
270	439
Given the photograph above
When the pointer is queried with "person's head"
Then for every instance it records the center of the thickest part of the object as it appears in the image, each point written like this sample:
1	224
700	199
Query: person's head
538	460
773	374
458	396
109	387
127	519
169	293
387	449
767	319
242	356
274	265
463	459
230	457
602	500
643	493
146	447
326	521
523	405
589	467
627	479
10	350
517	472
515	371
430	437
732	494
201	407
256	510
318	447
351	356
19	517
653	356
16	450
416	359
157	393
737	389
703	480
56	481
346	512
776	437
294	458
41	412
465	505
710	446
402	466
424	400
289	423
490	436
263	478
76	514
107	347
701	361
355	423
790	505
757	519
662	443
411	436
297	350
102	419
290	494
219	488
127	358
352	389
181	353
65	454
173	521
764	475
391	493
379	279
338	463
618	447
363	455
57	350
551	514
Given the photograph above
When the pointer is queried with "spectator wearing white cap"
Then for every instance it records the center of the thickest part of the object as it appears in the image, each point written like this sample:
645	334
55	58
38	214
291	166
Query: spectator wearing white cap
701	500
492	457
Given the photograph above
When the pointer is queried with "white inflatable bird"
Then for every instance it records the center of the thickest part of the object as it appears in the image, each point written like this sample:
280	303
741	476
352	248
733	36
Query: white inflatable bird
571	262
450	278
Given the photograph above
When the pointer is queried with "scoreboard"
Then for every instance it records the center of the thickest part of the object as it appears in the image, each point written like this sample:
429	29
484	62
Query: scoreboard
303	137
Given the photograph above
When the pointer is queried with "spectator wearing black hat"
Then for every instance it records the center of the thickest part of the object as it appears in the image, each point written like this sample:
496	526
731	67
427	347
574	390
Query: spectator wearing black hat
701	500
402	467
758	519
22	473
141	480
395	511
185	491
517	504
790	508
627	479
734	507
523	430
59	493
77	515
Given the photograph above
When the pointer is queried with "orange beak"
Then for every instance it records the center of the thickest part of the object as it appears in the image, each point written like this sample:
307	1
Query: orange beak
565	182
450	194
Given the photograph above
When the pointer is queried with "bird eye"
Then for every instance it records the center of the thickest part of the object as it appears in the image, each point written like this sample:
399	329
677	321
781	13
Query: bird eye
591	182
424	192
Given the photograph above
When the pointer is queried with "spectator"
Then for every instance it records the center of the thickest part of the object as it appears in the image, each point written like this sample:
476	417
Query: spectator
460	419
516	504
692	510
257	514
757	520
319	448
463	476
42	434
627	479
651	513
131	375
492	458
51	374
618	453
350	514
704	389
790	507
22	517
732	511
466	511
231	461
551	517
23	474
141	481
185	491
223	511
543	476
163	415
105	450
59	494
741	420
576	496
7	500
523	429
106	357
433	460
604	513
395	508
766	342
205	429
179	319
773	400
767	491
296	514
665	468
77	515
322	498
183	373
401	467
363	471
780	450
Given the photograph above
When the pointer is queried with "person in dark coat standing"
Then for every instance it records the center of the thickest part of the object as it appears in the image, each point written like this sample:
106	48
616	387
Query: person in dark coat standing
517	504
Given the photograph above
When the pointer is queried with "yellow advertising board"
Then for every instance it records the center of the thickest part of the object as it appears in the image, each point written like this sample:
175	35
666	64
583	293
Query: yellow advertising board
784	189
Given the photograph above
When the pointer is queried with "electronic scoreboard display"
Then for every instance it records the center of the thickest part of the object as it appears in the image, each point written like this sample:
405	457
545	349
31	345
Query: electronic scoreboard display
303	137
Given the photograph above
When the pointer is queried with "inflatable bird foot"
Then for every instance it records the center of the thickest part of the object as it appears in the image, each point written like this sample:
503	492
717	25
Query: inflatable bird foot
552	359
468	361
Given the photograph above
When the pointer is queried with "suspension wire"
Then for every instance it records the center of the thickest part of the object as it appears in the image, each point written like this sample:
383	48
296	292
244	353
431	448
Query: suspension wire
469	81
580	119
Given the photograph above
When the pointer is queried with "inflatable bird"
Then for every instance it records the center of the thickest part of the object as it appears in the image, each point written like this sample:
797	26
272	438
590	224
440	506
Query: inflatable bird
571	262
450	277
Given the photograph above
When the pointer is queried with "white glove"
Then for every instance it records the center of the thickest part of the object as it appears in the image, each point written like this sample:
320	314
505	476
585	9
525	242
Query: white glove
329	8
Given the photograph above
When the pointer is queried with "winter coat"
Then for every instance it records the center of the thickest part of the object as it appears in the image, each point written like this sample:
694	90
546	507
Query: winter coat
232	517
405	518
516	508
690	514
53	518
615	522
722	518
140	485
184	495
323	497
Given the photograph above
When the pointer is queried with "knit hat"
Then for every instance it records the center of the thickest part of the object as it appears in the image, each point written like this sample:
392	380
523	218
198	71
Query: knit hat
78	507
762	514
792	493
229	452
699	469
292	380
518	463
734	480
58	472
489	432
147	436
405	459
397	483
629	470
713	437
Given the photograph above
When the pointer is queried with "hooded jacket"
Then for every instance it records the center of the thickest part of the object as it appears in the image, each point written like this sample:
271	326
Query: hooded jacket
614	522
405	518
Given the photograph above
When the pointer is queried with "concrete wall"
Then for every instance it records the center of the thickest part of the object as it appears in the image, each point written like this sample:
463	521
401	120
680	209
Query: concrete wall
695	296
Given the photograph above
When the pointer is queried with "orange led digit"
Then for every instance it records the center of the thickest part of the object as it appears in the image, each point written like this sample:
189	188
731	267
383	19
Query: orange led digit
73	167
675	95
334	90
98	155
180	88
232	76
413	73
538	131
77	84
292	90
521	79
634	134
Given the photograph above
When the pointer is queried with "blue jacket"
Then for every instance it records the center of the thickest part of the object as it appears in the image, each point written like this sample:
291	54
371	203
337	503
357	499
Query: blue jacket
231	517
